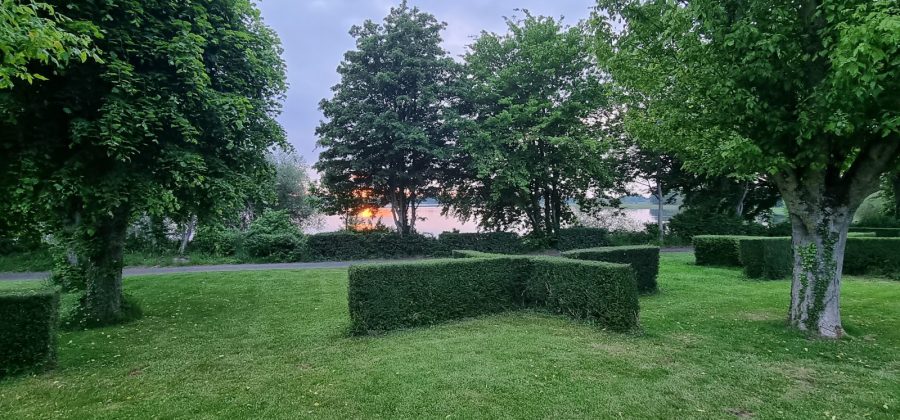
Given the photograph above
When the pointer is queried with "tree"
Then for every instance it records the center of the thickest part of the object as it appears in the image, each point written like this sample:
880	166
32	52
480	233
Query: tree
292	188
176	120
34	32
805	92
534	143
659	173
390	119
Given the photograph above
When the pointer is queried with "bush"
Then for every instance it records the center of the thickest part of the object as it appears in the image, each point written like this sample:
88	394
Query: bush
691	223
217	240
498	242
721	250
769	258
581	237
881	232
344	246
28	322
644	259
604	294
276	247
383	297
389	296
464	253
872	256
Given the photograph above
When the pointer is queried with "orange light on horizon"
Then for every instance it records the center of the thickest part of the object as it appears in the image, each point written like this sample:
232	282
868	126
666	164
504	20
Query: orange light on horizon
366	213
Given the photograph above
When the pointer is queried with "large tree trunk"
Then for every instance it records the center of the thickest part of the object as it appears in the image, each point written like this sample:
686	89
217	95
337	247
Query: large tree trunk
102	301
819	239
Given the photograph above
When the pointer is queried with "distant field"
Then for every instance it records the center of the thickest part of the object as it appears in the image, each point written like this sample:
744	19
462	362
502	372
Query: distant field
273	345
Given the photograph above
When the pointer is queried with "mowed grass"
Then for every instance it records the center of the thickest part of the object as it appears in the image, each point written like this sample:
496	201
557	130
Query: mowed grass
273	345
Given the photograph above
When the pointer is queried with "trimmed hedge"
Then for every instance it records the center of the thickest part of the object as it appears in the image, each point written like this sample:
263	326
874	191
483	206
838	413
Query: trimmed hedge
383	297
601	293
721	250
498	242
879	256
880	232
764	257
359	246
28	322
581	237
769	258
644	259
465	253
280	247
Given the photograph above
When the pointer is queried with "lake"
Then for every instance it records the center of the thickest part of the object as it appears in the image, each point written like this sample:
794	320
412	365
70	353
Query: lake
434	223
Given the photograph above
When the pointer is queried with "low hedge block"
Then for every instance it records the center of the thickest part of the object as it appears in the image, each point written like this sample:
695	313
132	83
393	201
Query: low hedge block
400	295
601	293
643	259
384	297
719	250
879	232
879	256
498	242
345	246
581	237
465	253
768	258
28	322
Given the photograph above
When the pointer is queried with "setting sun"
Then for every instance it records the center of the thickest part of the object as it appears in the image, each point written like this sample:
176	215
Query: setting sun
366	213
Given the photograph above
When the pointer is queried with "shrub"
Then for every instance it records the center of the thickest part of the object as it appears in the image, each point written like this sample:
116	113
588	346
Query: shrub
382	297
499	242
581	237
872	256
465	253
276	247
881	232
274	222
343	246
691	222
217	240
399	295
770	258
601	293
28	322
721	250
643	259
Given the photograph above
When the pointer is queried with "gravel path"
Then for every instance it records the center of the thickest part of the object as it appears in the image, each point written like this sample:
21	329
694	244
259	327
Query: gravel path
145	271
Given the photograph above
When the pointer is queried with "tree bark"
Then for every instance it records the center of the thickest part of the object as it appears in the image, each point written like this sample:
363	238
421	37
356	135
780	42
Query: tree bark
819	240
187	234
102	301
659	210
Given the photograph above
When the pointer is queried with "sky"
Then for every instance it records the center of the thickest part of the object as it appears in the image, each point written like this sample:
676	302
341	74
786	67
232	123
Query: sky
315	36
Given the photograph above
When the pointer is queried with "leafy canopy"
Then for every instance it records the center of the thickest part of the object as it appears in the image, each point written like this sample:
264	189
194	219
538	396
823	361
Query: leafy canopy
534	142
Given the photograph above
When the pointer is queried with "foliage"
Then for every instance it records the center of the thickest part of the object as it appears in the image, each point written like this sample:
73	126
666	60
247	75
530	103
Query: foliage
581	237
496	242
717	250
293	188
874	256
384	297
643	259
767	258
465	253
28	323
346	246
35	32
177	121
217	240
390	118
600	293
802	92
532	97
692	222
389	296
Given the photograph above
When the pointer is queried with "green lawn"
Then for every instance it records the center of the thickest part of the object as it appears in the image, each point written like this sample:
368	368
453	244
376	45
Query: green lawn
273	345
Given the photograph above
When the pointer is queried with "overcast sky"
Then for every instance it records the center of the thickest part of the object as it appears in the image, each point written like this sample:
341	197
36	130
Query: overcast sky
315	36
